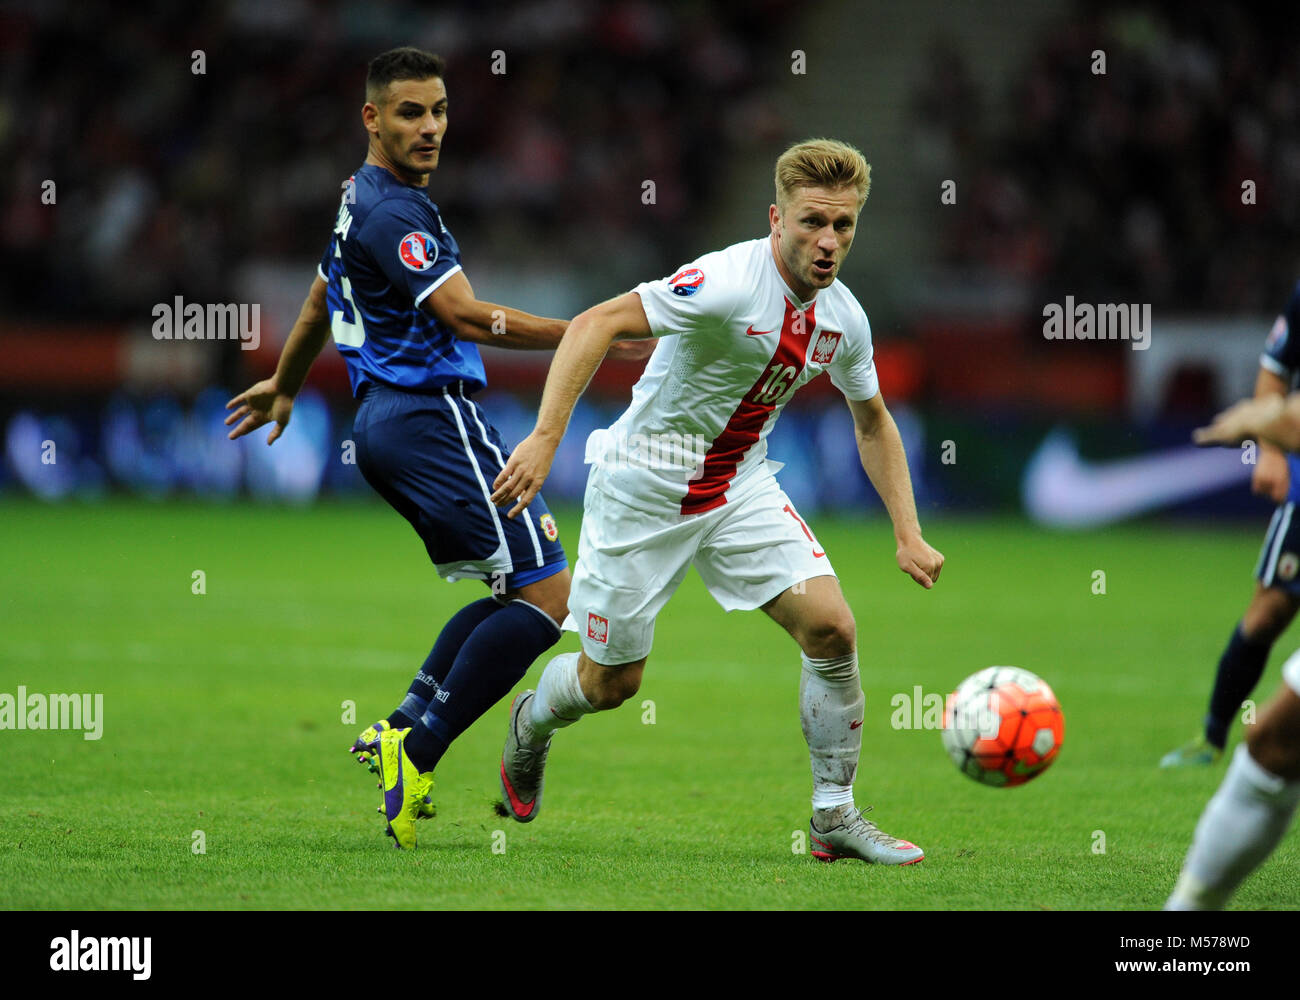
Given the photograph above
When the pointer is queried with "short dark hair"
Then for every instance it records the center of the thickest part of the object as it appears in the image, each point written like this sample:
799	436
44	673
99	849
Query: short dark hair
406	63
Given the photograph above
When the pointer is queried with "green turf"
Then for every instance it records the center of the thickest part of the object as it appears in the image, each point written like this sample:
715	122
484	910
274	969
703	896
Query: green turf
223	713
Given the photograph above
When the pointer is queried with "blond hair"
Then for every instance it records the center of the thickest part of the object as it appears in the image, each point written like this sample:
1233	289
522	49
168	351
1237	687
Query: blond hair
824	163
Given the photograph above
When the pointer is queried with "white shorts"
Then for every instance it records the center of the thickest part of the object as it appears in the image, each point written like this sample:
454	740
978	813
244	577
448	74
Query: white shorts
630	562
1291	672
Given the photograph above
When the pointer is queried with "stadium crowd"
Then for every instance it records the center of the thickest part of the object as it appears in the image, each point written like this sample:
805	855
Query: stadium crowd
166	178
1128	184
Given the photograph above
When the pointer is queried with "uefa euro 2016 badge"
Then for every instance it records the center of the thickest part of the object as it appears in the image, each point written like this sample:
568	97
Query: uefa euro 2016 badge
548	527
1287	565
418	251
686	283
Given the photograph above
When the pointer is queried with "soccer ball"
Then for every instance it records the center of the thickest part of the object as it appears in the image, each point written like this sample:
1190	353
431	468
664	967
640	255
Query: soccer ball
1003	726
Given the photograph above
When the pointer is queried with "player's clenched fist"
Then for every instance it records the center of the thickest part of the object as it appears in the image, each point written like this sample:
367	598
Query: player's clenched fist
524	473
920	561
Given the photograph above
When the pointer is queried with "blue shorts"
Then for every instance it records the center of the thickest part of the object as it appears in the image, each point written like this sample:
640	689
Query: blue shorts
433	457
1279	559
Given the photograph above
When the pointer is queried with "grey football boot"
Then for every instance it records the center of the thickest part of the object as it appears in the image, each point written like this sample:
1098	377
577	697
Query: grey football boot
843	833
522	767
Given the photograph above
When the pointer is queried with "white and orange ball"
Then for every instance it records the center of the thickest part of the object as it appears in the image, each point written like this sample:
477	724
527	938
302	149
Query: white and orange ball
1003	726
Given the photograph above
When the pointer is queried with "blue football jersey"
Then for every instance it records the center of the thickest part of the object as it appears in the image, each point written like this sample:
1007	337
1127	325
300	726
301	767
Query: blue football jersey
1282	357
1281	350
389	251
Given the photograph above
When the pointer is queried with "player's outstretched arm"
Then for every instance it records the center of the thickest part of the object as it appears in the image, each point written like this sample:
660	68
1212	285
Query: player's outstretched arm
454	305
1272	419
272	398
576	360
881	449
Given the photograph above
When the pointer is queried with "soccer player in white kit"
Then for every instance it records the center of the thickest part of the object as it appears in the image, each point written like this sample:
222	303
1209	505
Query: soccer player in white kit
1257	801
681	479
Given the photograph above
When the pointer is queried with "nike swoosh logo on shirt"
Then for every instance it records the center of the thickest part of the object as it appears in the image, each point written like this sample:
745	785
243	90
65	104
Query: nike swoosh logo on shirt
751	332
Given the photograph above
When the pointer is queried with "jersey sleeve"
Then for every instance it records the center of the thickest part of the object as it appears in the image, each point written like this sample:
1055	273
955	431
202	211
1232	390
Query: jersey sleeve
407	242
1282	351
694	296
853	370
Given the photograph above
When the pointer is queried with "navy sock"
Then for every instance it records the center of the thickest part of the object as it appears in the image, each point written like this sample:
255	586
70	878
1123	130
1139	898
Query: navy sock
437	665
491	662
1240	669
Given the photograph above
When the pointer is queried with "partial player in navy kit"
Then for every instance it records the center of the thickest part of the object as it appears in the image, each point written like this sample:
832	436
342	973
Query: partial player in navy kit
1256	802
391	291
1277	590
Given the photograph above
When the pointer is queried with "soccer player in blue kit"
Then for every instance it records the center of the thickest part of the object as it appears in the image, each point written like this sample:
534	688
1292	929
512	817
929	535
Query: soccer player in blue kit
391	291
1256	802
1277	590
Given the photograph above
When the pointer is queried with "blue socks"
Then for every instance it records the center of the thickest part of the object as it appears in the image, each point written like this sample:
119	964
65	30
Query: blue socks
492	660
458	629
1240	669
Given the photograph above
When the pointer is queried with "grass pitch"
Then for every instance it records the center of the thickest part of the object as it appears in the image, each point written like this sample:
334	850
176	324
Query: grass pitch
224	724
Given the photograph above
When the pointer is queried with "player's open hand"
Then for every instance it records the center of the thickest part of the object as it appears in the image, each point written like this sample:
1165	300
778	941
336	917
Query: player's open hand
919	561
1240	422
524	473
260	405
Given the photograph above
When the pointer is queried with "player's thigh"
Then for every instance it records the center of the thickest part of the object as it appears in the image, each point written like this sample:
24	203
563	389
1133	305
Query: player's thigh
762	554
1271	610
630	563
1274	741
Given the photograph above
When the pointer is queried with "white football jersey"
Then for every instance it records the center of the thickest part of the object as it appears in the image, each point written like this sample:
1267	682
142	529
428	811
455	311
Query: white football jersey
737	344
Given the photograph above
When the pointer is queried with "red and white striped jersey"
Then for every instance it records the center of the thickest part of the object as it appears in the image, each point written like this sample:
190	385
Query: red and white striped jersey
737	344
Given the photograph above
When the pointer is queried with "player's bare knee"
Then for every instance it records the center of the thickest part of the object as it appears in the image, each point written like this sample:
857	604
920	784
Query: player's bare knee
557	610
1274	741
1257	739
550	595
1273	755
830	637
608	687
617	686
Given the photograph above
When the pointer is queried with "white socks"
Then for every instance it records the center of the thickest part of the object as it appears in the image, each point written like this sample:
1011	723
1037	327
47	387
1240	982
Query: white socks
559	701
830	710
1239	828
